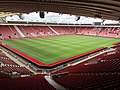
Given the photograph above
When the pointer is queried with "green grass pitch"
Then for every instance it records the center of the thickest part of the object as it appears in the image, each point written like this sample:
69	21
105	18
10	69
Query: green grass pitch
52	49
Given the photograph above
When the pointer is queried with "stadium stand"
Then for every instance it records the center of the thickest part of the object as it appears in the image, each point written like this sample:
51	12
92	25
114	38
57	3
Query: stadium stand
6	32
37	82
87	31
22	31
12	32
94	31
80	30
9	66
12	69
98	69
103	32
45	31
101	72
4	75
6	60
29	31
64	30
112	32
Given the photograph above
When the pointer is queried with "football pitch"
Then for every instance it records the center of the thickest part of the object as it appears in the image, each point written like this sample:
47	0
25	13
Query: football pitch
52	49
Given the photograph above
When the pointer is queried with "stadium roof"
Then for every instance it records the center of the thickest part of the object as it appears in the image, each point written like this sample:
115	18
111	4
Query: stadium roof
105	9
4	14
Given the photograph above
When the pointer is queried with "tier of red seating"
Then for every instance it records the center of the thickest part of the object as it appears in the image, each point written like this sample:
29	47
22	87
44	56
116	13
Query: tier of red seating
6	60
104	32
10	32
37	82
14	32
20	70
30	31
103	74
4	75
7	65
90	81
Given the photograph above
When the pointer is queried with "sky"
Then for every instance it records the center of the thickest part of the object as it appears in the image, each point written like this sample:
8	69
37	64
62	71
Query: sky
57	18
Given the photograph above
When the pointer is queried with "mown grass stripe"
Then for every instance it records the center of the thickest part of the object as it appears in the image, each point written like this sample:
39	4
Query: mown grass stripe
52	49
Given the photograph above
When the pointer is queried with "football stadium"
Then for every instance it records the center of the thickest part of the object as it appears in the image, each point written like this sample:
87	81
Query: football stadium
59	45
